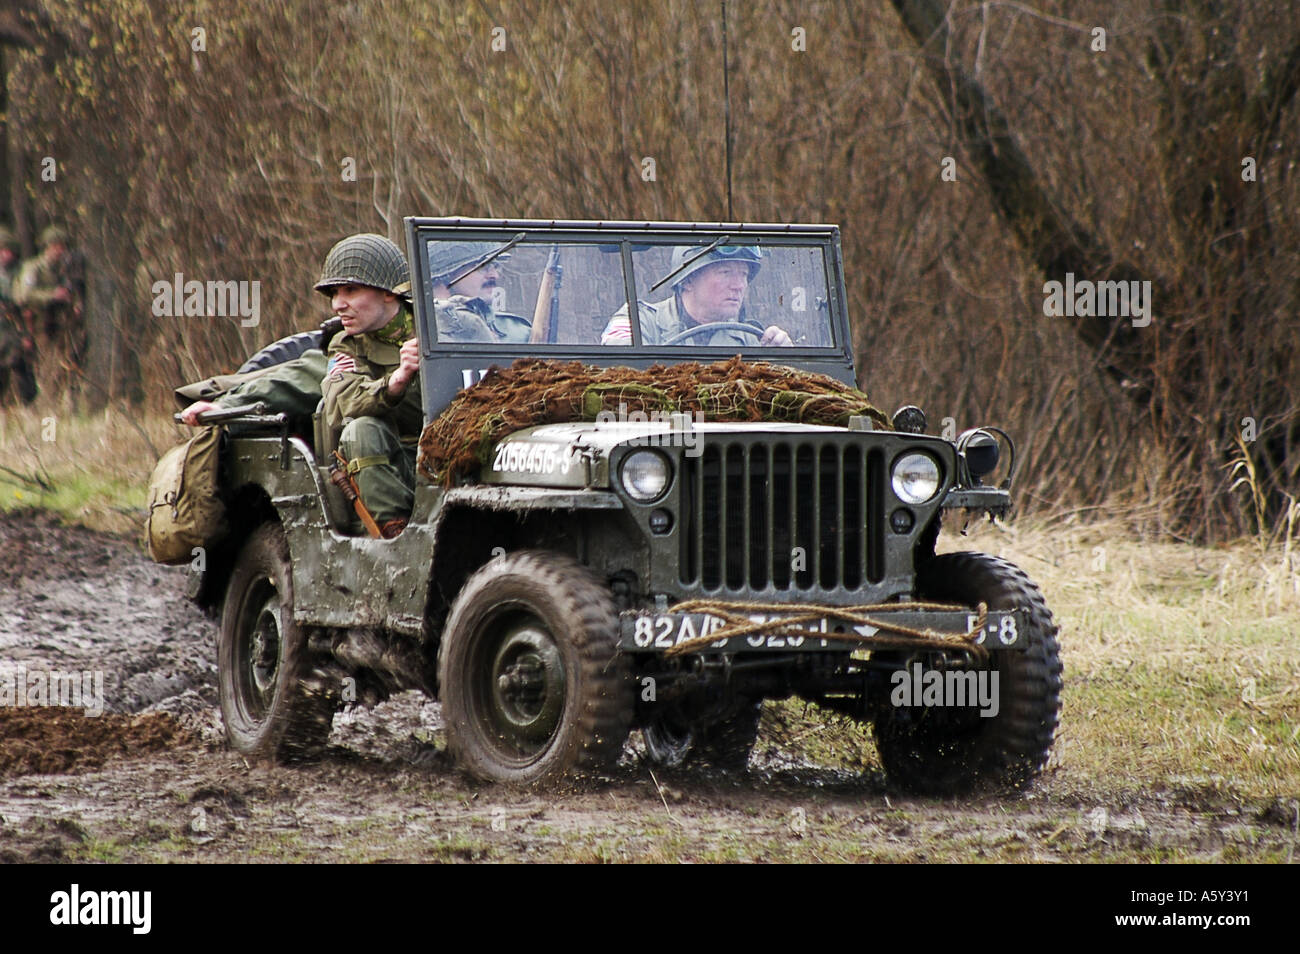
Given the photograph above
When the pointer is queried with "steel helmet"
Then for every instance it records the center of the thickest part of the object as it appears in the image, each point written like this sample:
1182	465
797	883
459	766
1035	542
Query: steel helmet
452	261
366	259
751	255
52	235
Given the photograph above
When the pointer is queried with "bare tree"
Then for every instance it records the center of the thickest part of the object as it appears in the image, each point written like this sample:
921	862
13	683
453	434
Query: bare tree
1207	362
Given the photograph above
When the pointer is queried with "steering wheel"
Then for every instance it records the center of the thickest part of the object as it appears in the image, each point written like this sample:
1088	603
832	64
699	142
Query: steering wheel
753	328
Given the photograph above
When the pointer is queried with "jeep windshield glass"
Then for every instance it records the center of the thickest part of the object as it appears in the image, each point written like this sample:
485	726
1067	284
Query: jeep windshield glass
718	293
733	295
578	284
687	260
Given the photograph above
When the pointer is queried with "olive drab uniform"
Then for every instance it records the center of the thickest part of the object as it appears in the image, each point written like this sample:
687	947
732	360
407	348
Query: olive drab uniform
661	320
291	387
510	329
380	433
461	318
60	322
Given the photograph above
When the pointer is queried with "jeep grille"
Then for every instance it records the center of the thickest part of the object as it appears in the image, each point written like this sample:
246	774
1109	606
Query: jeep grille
779	516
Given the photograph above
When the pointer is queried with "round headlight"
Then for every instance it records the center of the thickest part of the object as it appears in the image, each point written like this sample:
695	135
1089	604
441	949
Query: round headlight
915	478
645	475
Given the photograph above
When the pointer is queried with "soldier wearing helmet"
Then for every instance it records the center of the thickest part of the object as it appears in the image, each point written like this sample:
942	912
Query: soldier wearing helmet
709	287
463	279
372	388
50	288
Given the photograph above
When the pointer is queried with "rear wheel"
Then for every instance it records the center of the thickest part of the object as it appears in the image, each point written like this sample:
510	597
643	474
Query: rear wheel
668	742
947	751
275	702
727	743
533	684
671	740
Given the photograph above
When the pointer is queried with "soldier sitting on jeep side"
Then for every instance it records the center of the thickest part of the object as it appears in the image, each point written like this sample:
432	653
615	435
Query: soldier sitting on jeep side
709	288
372	388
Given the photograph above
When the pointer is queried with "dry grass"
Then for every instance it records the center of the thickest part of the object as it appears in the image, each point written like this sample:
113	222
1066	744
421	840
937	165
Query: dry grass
1182	667
90	467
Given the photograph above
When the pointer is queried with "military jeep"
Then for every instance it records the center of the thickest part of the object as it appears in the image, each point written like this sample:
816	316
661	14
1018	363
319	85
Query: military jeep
666	572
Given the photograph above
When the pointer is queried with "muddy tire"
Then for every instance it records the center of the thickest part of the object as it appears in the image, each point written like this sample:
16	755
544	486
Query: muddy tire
275	703
533	685
667	744
945	751
725	744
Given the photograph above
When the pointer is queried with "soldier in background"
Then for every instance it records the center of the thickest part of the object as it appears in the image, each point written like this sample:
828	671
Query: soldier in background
50	289
17	350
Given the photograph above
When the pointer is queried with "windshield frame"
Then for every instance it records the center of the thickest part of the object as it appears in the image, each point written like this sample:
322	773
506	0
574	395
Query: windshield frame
629	236
473	358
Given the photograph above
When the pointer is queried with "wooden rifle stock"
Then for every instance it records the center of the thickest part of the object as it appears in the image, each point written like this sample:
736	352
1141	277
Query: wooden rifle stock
347	483
544	313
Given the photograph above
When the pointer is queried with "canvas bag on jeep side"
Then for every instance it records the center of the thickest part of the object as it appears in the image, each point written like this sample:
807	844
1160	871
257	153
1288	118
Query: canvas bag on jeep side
184	509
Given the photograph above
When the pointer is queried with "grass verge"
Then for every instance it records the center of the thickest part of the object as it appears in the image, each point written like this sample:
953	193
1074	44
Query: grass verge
90	467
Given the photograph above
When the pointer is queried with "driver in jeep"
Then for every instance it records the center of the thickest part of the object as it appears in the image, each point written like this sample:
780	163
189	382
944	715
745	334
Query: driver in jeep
708	288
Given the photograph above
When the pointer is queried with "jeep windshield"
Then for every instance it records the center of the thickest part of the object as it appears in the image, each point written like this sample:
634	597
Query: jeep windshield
521	290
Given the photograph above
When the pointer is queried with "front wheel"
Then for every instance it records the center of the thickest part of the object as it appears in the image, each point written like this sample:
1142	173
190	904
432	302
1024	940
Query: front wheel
275	703
533	684
948	751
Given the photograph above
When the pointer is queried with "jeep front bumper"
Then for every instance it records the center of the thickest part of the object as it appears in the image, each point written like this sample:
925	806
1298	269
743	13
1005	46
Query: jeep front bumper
641	632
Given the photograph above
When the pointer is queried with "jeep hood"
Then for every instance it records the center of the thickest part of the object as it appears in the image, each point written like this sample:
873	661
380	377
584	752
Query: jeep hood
577	454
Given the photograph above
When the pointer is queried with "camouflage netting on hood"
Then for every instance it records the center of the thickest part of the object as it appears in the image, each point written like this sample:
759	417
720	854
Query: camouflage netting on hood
533	391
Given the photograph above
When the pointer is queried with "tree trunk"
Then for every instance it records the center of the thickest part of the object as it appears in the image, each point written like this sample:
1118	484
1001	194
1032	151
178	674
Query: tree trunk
1202	365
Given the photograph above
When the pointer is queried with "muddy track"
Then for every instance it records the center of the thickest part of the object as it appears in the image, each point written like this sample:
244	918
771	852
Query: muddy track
151	778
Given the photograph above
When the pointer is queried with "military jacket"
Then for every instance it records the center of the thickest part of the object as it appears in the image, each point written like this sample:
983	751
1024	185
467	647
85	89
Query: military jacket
363	391
661	320
512	329
292	387
461	318
12	331
34	287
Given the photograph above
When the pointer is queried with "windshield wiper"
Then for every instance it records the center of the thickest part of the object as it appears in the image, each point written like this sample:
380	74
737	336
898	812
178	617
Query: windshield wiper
705	251
489	258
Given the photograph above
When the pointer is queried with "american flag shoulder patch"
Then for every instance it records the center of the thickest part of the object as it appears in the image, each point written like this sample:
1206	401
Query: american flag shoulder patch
339	364
618	331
